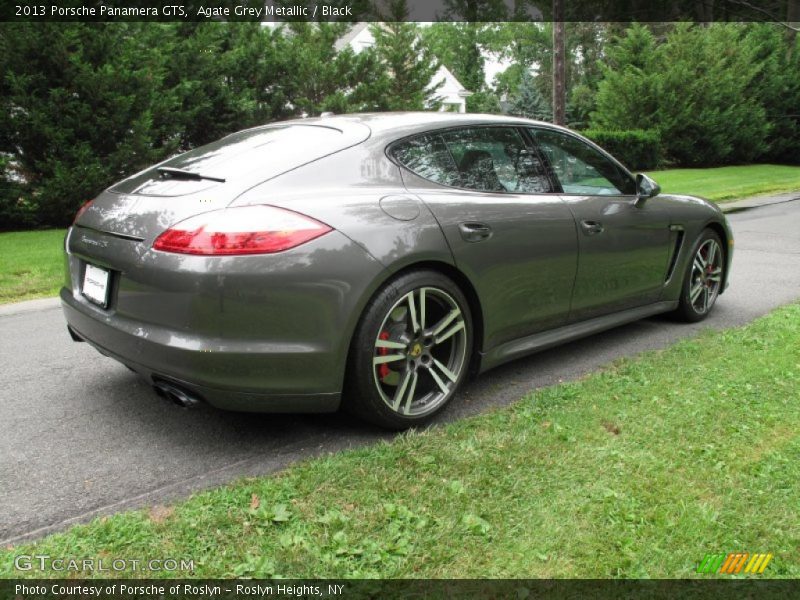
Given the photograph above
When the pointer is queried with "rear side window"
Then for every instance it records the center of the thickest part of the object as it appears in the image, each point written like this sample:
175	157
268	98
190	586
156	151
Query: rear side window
486	159
428	157
264	153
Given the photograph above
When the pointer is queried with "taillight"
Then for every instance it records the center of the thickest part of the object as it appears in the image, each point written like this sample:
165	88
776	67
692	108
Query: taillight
84	207
242	230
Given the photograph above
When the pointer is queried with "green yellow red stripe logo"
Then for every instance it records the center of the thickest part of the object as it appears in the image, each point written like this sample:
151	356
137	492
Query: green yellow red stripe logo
734	563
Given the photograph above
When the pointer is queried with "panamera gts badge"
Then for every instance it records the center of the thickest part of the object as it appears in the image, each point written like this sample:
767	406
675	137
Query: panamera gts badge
91	242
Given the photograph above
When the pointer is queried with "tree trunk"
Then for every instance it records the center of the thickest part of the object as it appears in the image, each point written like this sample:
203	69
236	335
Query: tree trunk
559	64
705	12
793	20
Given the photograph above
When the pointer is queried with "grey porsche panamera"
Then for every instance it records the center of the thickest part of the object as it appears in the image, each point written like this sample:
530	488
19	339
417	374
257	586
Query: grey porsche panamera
375	261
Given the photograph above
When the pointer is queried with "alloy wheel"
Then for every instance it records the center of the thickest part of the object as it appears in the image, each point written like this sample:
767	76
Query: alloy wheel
706	276
420	351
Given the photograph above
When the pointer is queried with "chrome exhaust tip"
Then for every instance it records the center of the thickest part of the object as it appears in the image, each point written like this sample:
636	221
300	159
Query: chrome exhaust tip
176	395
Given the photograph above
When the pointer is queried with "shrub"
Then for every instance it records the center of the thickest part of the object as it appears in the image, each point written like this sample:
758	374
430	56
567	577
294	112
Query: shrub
83	105
637	149
698	88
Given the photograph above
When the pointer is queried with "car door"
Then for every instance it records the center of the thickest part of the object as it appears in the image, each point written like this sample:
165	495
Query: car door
623	244
508	232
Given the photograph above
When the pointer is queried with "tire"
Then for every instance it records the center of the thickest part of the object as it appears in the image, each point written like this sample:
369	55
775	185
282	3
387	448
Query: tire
702	281
405	363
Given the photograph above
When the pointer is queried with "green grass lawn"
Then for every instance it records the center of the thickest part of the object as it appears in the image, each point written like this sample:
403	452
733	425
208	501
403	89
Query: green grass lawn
635	471
31	264
729	183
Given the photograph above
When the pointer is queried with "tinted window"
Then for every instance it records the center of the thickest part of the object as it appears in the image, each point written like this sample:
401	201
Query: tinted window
487	159
263	152
580	168
428	157
495	159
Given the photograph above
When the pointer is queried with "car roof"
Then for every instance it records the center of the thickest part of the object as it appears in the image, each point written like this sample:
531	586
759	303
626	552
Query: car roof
400	124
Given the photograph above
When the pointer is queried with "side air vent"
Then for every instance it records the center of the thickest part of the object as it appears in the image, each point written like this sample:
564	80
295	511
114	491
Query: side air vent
676	250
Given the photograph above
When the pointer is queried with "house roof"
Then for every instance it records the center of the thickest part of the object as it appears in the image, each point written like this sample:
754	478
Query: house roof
450	84
351	35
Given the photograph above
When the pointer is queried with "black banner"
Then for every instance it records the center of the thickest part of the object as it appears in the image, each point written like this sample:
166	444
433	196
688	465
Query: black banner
380	10
561	589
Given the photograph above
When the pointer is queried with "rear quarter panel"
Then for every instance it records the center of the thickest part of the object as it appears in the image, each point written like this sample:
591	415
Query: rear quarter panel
359	193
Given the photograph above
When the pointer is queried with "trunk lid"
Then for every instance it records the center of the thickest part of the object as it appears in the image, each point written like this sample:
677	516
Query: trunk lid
210	177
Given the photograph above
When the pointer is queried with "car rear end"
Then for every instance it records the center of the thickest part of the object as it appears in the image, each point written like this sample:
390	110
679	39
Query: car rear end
243	307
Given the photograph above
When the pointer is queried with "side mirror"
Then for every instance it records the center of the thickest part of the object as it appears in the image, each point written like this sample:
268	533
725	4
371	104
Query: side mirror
645	188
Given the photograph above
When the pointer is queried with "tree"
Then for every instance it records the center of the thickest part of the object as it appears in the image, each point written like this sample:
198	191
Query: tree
457	46
84	105
317	76
528	101
585	55
793	22
707	112
410	65
696	88
776	86
628	95
219	75
80	111
461	48
528	47
559	66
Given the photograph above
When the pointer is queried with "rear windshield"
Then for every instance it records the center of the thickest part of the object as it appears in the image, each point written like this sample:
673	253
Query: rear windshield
265	152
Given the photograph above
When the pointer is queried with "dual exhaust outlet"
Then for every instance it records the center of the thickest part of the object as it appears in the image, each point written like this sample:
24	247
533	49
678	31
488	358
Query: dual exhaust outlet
175	394
170	391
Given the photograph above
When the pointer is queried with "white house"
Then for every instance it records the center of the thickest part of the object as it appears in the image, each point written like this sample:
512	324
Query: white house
452	96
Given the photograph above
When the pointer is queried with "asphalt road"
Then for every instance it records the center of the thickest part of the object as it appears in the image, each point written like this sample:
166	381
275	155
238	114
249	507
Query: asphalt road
82	436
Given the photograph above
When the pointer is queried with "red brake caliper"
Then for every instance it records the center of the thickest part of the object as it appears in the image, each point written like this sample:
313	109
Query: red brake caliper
383	370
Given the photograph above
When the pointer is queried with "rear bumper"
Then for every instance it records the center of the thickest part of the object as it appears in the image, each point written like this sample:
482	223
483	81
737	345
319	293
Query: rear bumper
195	370
256	334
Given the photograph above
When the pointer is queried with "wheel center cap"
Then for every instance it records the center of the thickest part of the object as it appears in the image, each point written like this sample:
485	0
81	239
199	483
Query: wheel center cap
416	350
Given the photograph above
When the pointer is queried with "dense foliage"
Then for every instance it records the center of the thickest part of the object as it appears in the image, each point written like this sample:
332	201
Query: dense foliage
529	102
717	94
409	64
82	105
637	149
699	89
461	48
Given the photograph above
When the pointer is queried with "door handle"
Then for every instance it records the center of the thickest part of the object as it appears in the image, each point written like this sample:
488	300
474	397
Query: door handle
592	227
474	232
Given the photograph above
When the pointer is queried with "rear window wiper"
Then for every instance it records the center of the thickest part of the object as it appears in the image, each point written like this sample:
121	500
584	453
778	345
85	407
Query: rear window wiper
183	174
